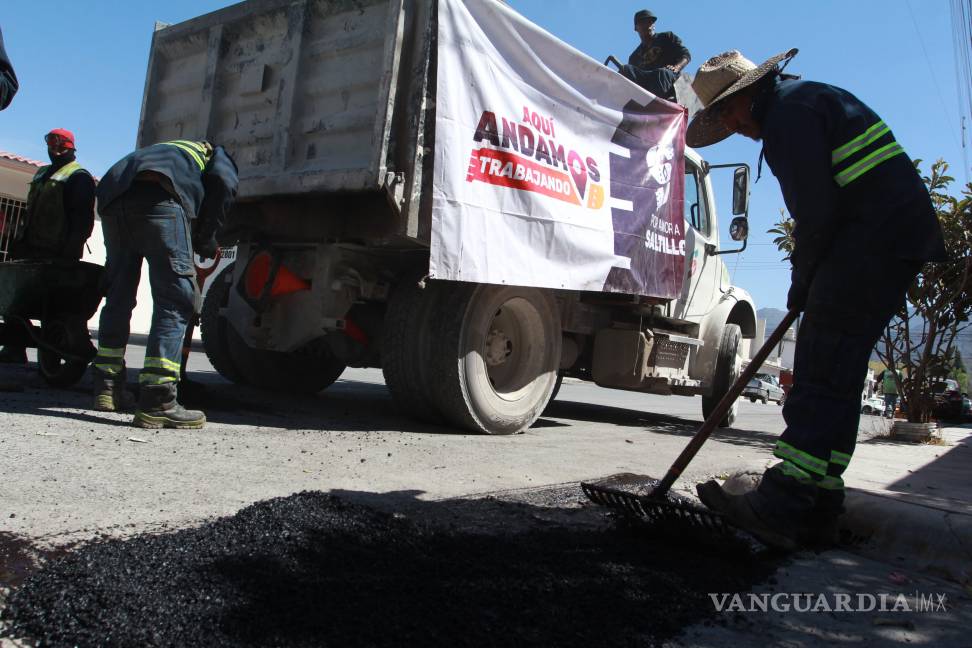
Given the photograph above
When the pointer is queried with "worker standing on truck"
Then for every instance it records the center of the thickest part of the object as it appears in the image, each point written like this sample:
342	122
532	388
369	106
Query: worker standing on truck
858	203
658	60
59	216
8	80
159	203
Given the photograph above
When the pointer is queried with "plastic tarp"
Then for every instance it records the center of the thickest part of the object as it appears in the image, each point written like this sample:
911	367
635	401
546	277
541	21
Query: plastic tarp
551	170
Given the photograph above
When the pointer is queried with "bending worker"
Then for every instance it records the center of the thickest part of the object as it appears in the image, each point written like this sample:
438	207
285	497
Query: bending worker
160	203
858	203
59	216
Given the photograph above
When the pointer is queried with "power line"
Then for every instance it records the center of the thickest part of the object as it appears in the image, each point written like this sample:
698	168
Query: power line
960	11
931	69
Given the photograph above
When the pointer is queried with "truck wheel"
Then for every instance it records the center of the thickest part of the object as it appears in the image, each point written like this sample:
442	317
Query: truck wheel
496	355
307	370
214	327
406	345
752	399
727	370
556	390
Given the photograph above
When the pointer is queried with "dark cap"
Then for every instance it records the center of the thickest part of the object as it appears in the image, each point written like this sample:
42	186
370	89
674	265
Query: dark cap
644	14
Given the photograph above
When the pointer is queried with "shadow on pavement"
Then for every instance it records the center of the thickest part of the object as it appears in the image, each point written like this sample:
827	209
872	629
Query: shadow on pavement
347	405
369	569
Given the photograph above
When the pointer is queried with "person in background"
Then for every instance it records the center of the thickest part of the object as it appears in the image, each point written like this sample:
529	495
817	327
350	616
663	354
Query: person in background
658	60
8	80
889	389
159	203
858	203
59	216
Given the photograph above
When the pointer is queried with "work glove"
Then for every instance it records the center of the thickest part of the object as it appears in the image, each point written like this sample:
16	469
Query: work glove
796	298
207	248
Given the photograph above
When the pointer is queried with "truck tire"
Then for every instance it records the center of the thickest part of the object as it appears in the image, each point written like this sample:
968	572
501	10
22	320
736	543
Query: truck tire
406	345
307	370
496	355
727	370
213	327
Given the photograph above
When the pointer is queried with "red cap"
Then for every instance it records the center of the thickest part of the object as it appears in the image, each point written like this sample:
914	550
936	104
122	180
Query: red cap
66	136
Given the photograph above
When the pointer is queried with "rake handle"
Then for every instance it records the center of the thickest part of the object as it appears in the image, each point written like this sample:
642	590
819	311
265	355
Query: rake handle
710	424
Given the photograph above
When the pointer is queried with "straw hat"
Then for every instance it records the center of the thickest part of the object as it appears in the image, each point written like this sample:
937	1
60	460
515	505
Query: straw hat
718	78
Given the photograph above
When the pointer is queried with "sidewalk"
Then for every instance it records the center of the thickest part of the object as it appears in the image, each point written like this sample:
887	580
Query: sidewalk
911	504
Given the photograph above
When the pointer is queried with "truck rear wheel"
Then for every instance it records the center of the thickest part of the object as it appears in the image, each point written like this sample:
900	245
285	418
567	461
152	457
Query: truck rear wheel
728	365
496	355
308	369
213	326
405	347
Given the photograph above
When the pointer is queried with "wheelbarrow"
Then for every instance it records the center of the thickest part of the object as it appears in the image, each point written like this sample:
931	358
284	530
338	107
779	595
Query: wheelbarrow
62	295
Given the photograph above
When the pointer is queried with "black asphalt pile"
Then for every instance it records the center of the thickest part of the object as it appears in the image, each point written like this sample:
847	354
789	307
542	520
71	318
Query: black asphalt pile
314	570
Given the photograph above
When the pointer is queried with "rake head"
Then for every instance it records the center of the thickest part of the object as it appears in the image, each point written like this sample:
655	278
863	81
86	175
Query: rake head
667	512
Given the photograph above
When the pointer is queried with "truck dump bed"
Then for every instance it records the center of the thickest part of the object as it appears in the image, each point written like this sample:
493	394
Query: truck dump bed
309	95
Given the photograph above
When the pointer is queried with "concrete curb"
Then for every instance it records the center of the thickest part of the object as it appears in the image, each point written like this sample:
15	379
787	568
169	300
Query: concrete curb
925	537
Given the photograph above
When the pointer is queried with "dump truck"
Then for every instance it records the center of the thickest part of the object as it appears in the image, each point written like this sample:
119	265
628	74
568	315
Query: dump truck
444	190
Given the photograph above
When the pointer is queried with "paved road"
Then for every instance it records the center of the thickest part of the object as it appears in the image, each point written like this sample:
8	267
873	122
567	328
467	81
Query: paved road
68	471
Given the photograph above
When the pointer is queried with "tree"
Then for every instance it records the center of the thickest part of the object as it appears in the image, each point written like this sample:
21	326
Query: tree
921	337
784	231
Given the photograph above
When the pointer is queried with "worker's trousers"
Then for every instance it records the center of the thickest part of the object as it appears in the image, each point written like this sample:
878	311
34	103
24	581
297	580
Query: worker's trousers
146	223
845	315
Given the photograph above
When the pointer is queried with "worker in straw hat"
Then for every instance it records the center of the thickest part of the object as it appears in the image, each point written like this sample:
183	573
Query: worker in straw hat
858	203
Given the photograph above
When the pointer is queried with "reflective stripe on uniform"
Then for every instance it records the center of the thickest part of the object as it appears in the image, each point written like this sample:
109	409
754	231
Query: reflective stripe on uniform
157	371
858	169
65	171
110	360
853	159
872	134
839	458
791	470
802	459
192	149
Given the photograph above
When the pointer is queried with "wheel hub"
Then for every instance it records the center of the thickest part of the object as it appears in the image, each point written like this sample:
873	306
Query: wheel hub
499	347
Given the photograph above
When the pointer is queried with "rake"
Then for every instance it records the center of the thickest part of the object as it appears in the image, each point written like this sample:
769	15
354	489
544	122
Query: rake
659	507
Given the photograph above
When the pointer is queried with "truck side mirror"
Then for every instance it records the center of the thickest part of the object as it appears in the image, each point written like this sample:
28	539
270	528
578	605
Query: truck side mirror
740	191
739	228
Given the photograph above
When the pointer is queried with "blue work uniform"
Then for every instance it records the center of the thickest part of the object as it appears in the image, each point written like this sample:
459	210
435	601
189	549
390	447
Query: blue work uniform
153	204
858	203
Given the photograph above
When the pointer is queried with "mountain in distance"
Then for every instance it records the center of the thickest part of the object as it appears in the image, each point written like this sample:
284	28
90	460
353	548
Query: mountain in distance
774	316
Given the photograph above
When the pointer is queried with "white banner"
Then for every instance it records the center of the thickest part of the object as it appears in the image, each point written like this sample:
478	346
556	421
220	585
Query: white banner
551	170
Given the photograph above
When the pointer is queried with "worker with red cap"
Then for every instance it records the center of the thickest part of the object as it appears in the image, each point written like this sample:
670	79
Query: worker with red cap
60	213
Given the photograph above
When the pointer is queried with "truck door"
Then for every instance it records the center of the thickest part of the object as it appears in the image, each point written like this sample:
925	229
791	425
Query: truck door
702	272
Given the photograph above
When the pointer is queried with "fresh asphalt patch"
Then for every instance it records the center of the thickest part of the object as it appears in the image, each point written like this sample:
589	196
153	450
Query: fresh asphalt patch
363	569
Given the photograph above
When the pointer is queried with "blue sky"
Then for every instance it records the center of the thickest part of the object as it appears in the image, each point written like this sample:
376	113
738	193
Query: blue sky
82	67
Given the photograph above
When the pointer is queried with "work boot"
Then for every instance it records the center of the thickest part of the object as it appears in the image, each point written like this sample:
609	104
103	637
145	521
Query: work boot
110	394
158	408
739	512
821	531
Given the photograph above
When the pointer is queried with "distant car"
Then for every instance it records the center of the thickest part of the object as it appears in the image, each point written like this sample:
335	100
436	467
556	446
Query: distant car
949	400
872	405
764	388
